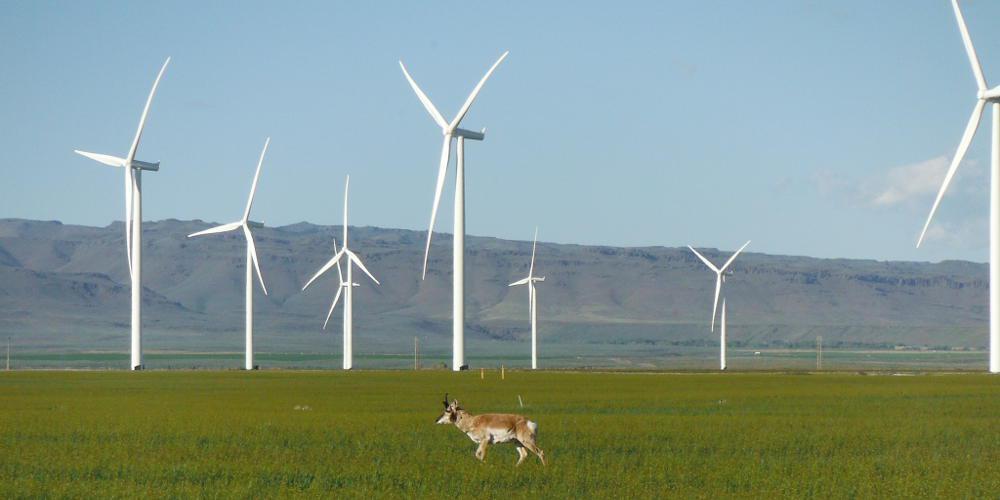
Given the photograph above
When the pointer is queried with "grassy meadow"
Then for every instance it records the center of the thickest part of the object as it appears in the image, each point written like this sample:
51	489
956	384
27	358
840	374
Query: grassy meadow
612	435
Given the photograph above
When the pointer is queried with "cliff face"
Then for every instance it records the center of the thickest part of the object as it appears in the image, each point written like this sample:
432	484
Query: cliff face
66	287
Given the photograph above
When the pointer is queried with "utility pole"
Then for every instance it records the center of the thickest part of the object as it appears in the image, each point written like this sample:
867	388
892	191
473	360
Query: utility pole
416	359
8	353
819	352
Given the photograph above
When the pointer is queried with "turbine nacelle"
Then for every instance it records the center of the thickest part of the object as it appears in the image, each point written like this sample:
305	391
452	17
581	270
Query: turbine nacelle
142	165
468	134
992	95
255	224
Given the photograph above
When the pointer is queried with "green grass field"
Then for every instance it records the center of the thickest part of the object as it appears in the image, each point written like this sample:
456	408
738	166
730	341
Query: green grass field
371	434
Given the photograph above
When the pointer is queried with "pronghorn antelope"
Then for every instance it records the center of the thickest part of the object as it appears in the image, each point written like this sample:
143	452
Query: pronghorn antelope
491	428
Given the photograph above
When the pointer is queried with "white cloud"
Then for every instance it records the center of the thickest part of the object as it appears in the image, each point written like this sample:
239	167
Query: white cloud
907	182
913	187
916	184
971	233
903	195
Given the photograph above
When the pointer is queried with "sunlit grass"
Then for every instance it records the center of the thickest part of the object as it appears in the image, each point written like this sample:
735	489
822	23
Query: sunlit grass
371	434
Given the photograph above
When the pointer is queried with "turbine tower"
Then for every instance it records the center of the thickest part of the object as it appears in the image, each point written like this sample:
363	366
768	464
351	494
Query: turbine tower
720	278
530	280
983	96
133	217
344	284
252	262
451	130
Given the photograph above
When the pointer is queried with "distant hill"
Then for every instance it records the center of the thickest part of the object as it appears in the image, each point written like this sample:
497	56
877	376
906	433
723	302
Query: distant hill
65	287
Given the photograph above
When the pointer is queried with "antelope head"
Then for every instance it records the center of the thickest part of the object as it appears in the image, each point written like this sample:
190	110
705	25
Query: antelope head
451	410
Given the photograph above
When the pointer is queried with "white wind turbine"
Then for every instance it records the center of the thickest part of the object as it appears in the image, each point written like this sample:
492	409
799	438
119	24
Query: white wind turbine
992	96
450	130
348	284
530	280
133	217
720	278
252	262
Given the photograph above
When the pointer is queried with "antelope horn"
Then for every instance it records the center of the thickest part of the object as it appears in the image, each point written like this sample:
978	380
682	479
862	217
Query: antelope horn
446	400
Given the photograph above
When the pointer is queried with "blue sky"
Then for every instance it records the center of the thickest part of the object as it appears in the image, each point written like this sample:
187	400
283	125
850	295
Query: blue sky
813	128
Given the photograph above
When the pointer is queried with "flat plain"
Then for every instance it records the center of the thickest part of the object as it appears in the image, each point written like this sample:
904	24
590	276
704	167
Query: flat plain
611	435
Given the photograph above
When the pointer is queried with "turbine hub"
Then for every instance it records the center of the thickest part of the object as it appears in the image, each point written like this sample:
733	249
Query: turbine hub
992	95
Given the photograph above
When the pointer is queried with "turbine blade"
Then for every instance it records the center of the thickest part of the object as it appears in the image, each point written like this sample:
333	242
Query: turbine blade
970	51
531	269
256	177
428	105
218	229
112	161
442	170
703	259
731	259
145	112
347	185
253	256
475	92
520	282
963	146
715	304
340	272
336	298
326	267
356	260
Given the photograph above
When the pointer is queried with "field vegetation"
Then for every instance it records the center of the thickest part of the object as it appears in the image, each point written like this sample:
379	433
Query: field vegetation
606	435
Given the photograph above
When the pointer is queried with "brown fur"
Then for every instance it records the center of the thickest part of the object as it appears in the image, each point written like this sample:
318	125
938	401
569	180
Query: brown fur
491	428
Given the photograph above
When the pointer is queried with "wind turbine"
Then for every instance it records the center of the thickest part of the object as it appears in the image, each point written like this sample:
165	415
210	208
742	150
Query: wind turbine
133	217
451	130
720	278
983	96
252	262
347	284
530	280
